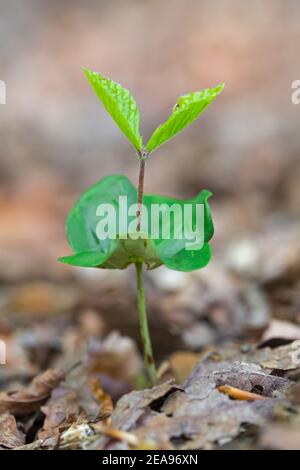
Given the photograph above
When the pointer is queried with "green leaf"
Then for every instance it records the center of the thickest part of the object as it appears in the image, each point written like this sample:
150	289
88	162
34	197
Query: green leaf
119	252
190	260
187	109
173	253
119	103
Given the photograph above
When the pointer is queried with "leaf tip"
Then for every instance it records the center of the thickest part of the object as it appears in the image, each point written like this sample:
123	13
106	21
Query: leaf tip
86	71
219	88
207	193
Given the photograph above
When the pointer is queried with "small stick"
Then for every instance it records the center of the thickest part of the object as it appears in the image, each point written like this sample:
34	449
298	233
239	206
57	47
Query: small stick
239	394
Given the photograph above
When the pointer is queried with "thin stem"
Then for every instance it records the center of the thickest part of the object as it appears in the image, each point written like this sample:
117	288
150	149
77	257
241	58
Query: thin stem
143	155
144	327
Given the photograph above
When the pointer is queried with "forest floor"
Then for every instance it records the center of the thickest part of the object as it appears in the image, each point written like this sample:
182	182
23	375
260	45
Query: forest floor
226	342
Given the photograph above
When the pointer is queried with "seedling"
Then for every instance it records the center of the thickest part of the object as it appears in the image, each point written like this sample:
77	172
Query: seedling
135	241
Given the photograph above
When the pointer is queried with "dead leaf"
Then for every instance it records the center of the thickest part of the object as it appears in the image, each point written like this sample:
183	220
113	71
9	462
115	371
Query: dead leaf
10	435
27	400
285	357
281	329
197	423
197	414
239	374
132	406
61	410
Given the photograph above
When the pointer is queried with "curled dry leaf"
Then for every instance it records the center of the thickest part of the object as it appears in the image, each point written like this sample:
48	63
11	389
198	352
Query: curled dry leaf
28	400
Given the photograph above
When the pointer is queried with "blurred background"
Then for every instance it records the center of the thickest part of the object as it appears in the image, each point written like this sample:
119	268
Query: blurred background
56	139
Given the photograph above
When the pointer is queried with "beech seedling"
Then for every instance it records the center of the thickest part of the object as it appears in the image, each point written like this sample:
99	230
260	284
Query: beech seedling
133	239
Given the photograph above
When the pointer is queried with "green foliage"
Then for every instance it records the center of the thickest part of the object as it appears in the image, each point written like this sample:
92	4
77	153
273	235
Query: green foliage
90	251
188	108
122	107
120	104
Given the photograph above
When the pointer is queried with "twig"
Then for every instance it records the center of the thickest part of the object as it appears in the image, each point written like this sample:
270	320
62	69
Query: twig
239	394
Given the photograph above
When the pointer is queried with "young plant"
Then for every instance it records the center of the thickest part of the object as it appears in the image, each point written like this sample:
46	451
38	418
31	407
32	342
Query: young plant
132	243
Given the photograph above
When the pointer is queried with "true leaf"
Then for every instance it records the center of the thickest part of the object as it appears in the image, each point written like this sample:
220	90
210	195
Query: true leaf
187	109
119	103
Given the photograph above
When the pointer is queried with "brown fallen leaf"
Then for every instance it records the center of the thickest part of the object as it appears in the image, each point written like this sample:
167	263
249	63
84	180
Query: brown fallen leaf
285	357
131	407
27	400
239	394
239	374
281	329
10	435
189	423
61	410
197	415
